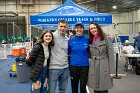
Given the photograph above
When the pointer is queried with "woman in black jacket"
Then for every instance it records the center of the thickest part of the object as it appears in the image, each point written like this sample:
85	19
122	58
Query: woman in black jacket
39	60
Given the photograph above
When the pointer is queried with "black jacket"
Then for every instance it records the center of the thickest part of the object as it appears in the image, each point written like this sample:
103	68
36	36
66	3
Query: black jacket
36	61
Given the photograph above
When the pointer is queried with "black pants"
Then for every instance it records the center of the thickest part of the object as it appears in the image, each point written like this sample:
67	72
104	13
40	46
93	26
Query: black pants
79	73
132	60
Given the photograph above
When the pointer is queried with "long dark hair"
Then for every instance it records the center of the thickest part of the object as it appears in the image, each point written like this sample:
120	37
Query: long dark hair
41	39
102	35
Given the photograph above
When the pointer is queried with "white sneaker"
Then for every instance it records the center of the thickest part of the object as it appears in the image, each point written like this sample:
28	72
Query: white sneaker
129	67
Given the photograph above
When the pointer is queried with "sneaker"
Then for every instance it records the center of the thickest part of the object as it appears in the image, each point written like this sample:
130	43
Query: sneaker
129	67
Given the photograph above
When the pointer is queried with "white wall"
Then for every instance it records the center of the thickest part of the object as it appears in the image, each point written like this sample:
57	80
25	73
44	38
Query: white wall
124	23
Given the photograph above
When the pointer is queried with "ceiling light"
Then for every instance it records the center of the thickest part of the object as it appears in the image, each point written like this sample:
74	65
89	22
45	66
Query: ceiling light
114	7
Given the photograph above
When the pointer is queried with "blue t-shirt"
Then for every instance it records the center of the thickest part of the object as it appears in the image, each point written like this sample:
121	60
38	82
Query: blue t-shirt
78	51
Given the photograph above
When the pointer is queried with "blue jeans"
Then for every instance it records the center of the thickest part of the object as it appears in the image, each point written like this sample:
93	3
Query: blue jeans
103	91
132	61
138	48
41	78
58	75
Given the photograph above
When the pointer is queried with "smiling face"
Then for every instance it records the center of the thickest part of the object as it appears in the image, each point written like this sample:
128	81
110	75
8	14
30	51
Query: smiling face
47	38
79	30
62	28
93	29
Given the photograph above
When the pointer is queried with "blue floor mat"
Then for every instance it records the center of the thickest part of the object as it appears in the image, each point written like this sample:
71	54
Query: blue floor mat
10	84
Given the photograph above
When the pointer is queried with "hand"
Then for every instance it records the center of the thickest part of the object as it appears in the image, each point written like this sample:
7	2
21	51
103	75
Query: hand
28	55
125	52
112	75
46	82
36	85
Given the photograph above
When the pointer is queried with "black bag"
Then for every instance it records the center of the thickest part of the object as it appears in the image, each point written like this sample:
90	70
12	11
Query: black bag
137	68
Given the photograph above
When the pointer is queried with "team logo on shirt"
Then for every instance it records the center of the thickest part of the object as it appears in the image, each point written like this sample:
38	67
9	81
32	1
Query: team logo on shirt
85	45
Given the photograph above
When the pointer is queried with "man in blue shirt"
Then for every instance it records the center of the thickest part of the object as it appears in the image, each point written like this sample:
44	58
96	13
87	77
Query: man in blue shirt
137	42
79	65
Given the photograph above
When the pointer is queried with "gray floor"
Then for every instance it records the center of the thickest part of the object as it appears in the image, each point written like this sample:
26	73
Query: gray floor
127	84
130	84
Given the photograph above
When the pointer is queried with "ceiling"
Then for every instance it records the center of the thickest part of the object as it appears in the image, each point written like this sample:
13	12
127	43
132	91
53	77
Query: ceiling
106	5
102	6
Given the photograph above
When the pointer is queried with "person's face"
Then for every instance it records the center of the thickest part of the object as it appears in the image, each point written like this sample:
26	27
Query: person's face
47	37
93	29
62	28
126	43
79	30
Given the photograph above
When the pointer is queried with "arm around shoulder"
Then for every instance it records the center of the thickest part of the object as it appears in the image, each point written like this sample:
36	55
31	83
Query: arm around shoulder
33	54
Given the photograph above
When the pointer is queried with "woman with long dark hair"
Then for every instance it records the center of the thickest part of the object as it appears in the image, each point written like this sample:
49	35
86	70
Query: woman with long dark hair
102	64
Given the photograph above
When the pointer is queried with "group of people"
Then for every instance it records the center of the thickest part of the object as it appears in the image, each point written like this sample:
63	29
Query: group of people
55	59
